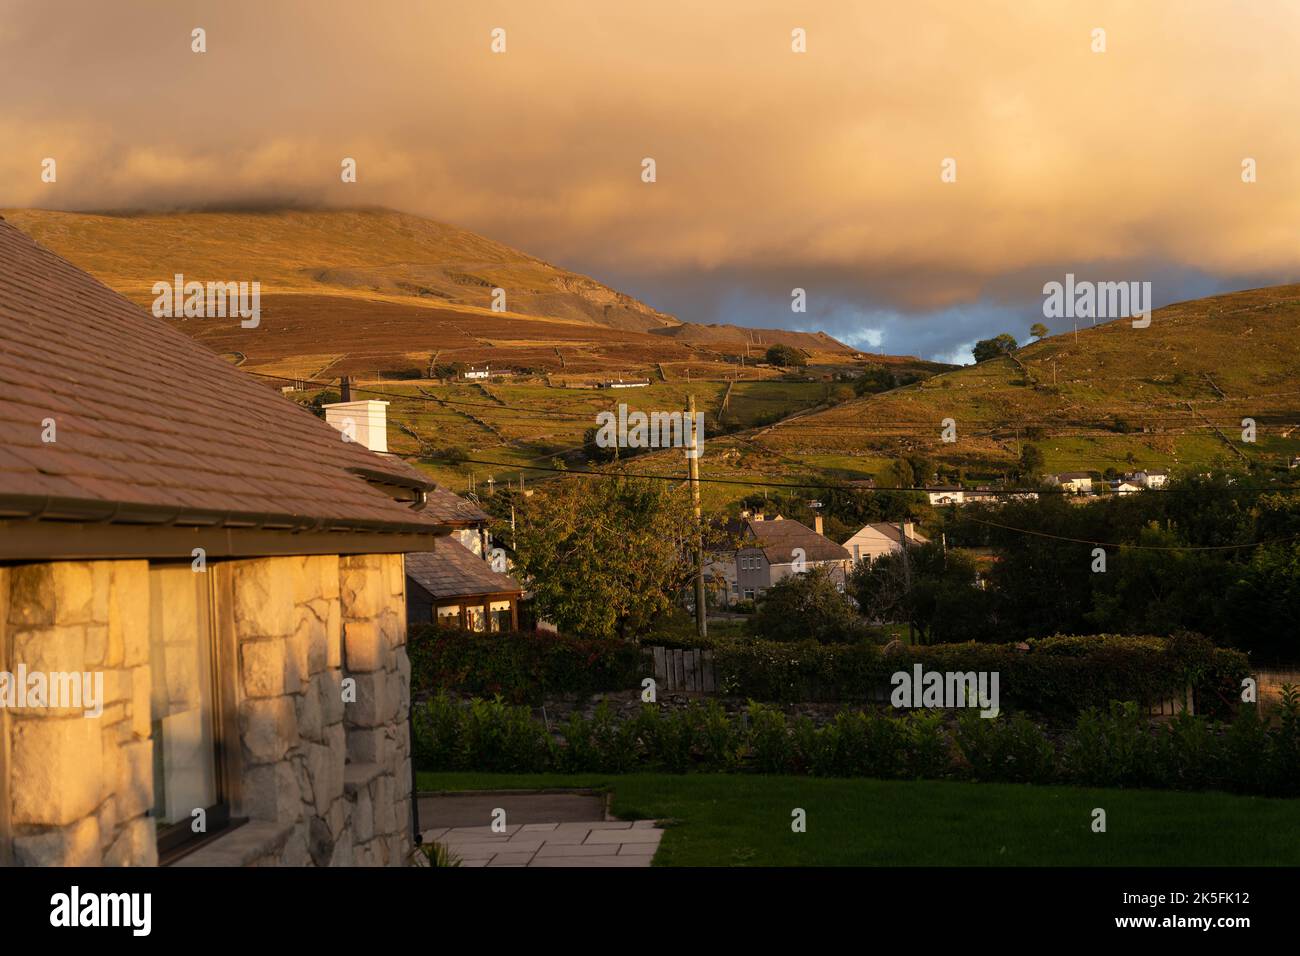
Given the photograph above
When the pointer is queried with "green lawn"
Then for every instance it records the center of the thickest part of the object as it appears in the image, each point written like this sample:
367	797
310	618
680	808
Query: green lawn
744	820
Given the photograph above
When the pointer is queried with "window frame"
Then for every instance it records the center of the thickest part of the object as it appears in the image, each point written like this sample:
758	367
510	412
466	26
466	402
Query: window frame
218	600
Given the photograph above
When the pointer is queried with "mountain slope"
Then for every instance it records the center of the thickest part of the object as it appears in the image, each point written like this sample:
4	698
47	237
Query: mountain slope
366	253
1171	395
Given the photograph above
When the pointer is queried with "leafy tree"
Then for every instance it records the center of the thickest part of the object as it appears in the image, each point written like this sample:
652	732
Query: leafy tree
1039	331
986	349
873	381
327	397
900	474
605	555
942	603
595	452
1031	463
808	605
785	356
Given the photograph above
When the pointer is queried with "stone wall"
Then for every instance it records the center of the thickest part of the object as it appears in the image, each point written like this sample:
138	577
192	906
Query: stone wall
321	689
77	789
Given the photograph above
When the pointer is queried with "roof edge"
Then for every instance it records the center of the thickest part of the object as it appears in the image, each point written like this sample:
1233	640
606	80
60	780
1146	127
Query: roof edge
49	508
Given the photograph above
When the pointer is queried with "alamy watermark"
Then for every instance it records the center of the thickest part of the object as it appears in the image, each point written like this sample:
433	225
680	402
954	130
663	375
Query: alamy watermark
655	430
213	300
949	689
79	690
1098	300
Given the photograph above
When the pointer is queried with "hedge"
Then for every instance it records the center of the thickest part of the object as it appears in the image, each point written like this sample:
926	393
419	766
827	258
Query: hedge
521	667
1114	747
1056	676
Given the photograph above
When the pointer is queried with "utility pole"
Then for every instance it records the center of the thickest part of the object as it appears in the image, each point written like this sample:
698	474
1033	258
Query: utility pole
907	578
701	619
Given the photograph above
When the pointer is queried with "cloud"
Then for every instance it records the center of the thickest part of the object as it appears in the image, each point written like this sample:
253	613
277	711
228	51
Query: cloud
775	169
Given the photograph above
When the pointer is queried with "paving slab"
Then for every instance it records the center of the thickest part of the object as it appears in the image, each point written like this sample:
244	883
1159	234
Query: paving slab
475	809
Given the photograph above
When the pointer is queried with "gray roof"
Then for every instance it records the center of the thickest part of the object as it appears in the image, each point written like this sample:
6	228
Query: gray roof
778	539
456	571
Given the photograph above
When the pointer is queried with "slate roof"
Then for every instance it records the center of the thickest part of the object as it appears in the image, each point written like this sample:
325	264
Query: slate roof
778	539
456	571
891	532
153	427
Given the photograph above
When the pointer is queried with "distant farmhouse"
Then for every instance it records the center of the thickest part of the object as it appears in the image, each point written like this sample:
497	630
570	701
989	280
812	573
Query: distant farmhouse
620	383
1075	482
473	373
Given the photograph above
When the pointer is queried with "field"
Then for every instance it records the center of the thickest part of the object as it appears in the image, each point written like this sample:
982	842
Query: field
1169	396
384	298
744	820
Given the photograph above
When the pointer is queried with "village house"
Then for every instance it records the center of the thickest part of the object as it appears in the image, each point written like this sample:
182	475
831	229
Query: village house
224	566
1155	480
455	584
455	588
946	494
473	373
873	540
1074	482
772	550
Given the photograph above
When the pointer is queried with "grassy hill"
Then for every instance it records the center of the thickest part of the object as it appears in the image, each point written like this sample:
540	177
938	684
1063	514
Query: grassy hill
382	297
1171	395
384	294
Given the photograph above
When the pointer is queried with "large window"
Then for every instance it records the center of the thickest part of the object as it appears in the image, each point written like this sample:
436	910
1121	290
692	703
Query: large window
185	705
449	615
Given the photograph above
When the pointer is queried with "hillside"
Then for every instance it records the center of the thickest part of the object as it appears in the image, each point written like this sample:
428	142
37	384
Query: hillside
372	253
1172	395
381	295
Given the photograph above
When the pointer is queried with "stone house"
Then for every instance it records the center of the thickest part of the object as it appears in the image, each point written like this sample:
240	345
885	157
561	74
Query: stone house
208	583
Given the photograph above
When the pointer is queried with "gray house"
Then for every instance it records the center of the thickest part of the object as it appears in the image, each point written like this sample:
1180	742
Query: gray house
771	550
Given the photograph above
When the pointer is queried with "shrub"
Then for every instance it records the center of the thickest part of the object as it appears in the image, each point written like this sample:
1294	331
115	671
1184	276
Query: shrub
1115	747
1014	750
521	667
1058	677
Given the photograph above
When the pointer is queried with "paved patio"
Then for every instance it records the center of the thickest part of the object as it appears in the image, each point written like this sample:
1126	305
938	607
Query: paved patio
543	829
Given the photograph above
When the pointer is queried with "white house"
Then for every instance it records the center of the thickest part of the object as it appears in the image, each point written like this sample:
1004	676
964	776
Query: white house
946	494
1125	487
1077	482
1151	479
873	540
474	372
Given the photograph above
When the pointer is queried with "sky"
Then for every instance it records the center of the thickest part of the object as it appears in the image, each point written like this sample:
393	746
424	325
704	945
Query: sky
774	169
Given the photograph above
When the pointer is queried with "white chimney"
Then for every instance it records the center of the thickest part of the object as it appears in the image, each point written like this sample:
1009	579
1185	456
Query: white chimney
364	422
817	524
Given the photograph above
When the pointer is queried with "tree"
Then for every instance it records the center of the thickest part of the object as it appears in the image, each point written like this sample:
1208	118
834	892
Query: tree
1039	331
1031	463
874	380
808	605
943	604
605	555
986	349
784	356
900	474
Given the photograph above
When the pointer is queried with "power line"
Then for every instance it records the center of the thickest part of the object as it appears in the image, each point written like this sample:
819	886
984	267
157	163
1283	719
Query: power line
806	486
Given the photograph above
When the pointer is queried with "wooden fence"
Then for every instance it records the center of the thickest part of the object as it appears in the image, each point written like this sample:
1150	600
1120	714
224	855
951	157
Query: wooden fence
677	669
